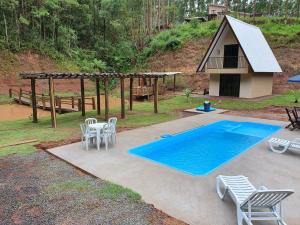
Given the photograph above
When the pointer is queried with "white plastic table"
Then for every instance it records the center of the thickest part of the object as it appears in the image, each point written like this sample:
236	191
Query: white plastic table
98	127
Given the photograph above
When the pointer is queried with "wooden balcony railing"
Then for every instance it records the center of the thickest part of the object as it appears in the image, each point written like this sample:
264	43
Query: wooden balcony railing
229	62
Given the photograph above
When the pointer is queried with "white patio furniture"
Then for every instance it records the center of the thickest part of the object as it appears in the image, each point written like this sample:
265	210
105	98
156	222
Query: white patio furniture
87	135
251	203
98	127
105	135
89	121
112	123
281	145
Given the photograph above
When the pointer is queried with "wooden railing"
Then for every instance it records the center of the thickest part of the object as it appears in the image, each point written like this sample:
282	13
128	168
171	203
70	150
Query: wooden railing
60	102
229	62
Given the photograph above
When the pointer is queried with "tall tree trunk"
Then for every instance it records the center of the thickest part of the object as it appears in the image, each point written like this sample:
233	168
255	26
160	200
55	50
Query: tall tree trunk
18	38
254	9
270	8
5	28
158	15
238	7
167	12
163	13
286	13
150	17
146	17
298	8
226	7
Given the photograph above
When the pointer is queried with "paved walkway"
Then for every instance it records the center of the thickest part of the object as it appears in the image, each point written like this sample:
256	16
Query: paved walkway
189	198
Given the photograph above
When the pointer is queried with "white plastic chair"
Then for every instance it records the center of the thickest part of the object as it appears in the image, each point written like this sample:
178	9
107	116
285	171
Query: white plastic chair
281	145
89	121
105	135
87	135
112	124
251	203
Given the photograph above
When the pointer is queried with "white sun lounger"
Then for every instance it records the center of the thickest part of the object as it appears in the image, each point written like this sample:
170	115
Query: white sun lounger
251	203
281	145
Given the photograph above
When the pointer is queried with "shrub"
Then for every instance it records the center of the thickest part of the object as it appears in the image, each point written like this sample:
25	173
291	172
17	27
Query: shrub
173	44
187	93
295	94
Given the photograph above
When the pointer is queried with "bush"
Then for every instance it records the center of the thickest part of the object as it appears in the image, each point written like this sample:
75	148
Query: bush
213	25
194	23
173	44
295	94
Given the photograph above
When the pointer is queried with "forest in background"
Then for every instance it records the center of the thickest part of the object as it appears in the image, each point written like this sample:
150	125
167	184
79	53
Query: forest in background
110	35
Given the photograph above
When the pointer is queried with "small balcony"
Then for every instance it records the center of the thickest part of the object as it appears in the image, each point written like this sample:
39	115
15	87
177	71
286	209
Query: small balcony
228	62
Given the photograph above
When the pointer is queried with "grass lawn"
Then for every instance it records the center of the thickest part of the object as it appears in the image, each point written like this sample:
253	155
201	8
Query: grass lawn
4	99
142	115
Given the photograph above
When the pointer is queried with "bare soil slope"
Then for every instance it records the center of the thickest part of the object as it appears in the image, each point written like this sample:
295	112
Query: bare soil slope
12	64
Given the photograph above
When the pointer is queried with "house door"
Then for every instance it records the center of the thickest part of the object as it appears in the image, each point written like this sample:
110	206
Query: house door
230	85
231	53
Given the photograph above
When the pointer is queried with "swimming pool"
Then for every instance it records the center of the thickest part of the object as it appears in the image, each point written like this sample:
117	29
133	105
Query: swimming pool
201	150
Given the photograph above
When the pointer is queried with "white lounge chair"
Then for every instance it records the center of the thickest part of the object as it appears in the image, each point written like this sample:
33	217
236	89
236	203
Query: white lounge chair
251	203
281	145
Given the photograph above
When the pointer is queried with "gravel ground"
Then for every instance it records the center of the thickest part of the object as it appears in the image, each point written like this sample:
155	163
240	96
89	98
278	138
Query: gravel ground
40	189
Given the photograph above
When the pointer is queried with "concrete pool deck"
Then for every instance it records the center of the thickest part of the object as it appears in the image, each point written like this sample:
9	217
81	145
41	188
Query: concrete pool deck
191	199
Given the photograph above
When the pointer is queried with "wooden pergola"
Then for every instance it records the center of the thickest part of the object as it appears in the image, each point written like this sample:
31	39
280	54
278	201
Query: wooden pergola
97	76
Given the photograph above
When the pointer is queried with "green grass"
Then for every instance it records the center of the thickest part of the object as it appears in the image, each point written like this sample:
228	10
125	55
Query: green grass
114	191
78	185
107	190
142	115
277	31
4	99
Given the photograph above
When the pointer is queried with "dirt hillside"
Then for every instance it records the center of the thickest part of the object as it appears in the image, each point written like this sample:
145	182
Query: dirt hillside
187	59
12	64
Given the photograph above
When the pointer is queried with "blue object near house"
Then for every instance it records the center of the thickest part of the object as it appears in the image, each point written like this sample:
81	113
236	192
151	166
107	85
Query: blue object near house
201	108
294	79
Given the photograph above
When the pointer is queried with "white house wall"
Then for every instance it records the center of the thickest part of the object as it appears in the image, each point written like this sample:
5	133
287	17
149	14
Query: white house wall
214	84
262	84
246	86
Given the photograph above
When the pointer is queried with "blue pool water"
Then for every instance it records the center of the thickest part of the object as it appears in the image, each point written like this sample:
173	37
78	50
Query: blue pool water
201	150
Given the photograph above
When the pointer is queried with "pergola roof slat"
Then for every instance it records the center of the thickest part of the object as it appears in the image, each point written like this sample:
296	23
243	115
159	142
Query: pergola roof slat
68	75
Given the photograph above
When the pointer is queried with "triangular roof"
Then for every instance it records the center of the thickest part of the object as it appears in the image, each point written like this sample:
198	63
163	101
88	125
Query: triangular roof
252	42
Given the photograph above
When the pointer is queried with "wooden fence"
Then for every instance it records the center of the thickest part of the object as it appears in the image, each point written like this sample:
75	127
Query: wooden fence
62	104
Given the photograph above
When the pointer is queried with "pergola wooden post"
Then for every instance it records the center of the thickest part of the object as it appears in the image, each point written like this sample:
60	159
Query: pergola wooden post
130	93
33	101
174	83
122	98
106	98
155	94
82	97
98	96
52	103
